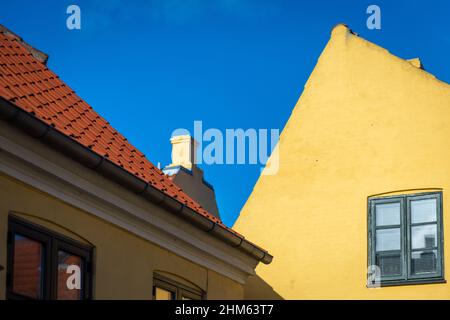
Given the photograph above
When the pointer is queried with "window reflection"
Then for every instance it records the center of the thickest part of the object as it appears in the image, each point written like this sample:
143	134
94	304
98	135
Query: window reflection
388	214
388	239
423	210
43	264
390	264
405	234
423	261
424	236
162	294
27	269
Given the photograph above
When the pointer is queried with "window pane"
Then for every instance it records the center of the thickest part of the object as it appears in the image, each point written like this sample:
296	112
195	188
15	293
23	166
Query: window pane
424	236
388	239
387	214
423	210
390	264
69	276
423	261
27	269
162	294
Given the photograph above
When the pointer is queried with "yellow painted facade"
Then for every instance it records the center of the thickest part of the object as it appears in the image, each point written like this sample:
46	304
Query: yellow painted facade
368	123
124	264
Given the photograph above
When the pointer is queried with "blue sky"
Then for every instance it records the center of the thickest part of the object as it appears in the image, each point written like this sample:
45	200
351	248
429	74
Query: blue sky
150	67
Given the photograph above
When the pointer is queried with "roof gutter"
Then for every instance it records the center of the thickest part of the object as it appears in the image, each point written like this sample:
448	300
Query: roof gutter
46	133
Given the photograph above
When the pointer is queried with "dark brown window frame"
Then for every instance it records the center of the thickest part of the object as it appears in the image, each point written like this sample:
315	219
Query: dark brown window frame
178	290
52	242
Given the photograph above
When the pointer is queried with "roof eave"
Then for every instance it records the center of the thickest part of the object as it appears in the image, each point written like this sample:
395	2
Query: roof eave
46	133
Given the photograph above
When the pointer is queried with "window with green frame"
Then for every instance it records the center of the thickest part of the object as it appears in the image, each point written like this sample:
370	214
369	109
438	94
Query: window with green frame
406	238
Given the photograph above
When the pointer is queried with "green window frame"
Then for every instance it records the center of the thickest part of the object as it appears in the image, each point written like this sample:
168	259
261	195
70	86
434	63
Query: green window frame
405	239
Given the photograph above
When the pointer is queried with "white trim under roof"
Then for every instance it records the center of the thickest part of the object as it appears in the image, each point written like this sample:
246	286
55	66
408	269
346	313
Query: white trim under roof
30	161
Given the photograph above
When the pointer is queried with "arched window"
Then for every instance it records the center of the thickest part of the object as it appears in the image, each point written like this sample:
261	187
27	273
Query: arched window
406	238
43	264
165	288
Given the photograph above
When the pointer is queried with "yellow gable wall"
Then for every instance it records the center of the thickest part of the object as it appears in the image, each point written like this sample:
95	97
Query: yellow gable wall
367	123
123	263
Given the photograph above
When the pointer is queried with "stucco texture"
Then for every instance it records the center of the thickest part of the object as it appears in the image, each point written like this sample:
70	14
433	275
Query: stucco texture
367	123
123	263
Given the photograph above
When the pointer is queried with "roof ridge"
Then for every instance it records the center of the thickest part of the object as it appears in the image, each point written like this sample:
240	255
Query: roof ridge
37	54
342	29
55	111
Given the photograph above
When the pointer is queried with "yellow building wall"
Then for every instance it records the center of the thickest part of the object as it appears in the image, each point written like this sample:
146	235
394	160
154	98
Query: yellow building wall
220	287
367	123
123	263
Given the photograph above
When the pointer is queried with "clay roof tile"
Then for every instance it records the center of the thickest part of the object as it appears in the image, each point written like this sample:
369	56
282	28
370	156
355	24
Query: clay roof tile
31	85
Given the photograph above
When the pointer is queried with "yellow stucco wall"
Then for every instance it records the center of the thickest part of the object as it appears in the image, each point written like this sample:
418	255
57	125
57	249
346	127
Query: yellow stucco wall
367	123
123	263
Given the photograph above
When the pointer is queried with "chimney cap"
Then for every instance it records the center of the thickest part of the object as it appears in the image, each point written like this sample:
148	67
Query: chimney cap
182	138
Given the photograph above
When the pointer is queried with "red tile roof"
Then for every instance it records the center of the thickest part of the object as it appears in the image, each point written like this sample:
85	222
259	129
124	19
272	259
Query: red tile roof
26	81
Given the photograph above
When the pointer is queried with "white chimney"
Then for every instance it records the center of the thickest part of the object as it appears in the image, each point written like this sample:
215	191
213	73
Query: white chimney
187	175
184	149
